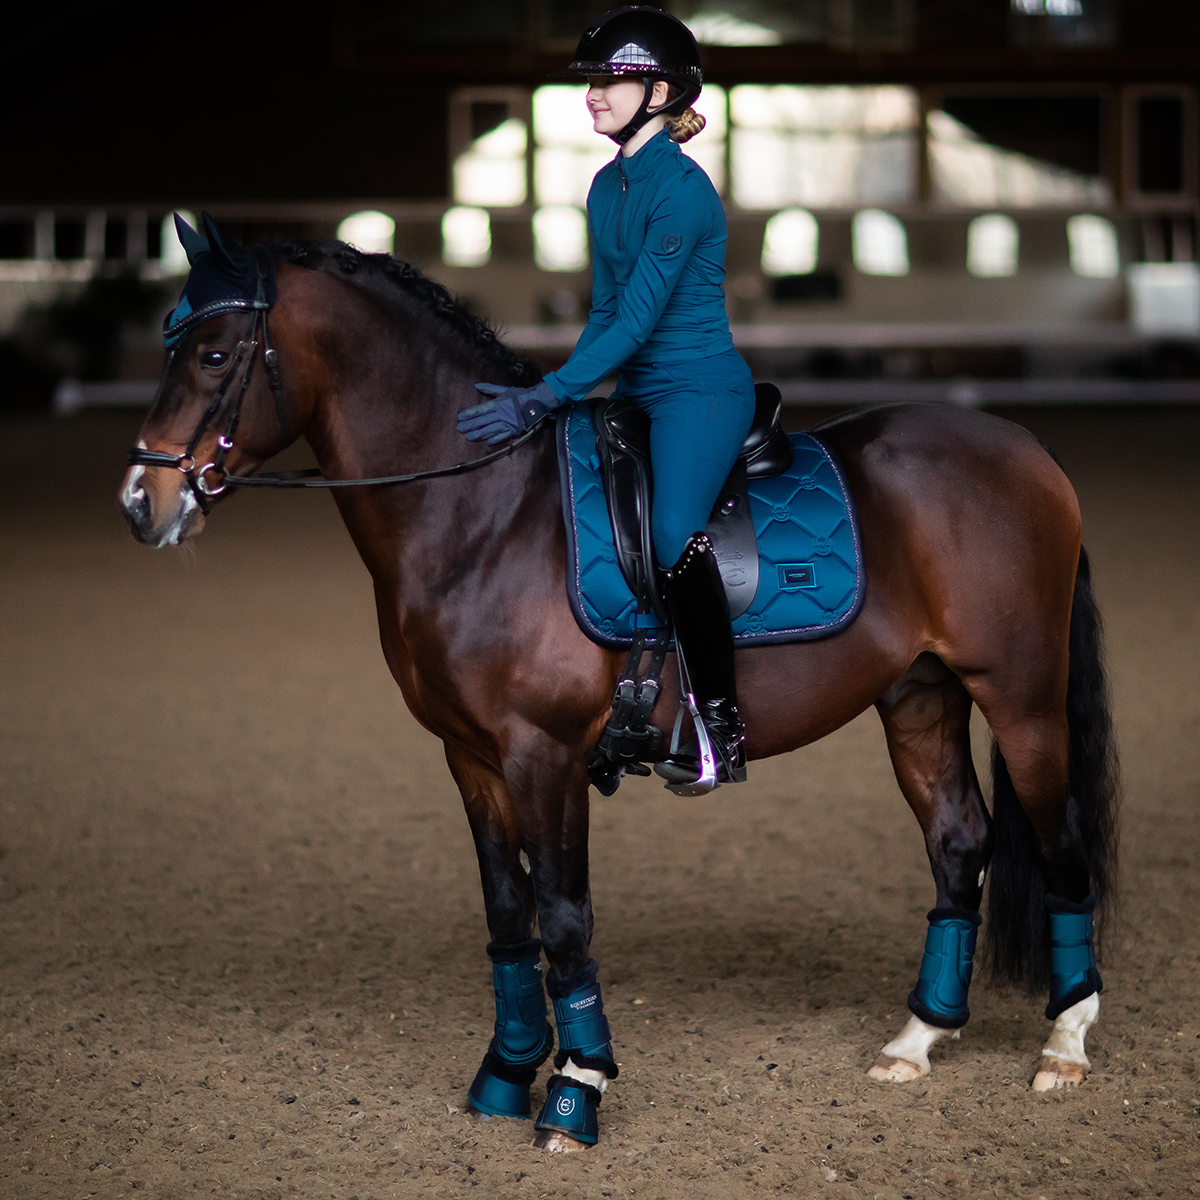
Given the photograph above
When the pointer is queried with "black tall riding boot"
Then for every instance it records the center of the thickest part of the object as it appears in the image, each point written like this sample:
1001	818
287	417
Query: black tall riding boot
700	614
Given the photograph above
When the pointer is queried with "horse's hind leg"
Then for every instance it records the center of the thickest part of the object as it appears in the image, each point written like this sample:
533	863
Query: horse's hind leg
1055	797
1042	883
927	719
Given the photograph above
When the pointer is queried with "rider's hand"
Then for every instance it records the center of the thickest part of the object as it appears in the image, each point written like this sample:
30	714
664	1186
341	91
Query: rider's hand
511	411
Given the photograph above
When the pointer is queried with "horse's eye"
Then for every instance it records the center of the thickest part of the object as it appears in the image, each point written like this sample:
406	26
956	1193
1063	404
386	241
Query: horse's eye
214	360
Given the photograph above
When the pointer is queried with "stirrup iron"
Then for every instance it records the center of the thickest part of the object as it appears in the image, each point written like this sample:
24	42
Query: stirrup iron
709	765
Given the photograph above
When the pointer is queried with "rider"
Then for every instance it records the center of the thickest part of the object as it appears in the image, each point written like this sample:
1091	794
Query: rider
658	315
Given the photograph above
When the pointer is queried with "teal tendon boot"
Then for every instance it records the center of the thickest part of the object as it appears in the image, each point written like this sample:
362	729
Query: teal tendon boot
522	1040
940	997
1073	973
583	1038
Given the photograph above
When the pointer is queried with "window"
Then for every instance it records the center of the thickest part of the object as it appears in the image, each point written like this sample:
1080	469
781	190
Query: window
992	246
492	170
466	237
879	243
1063	22
568	152
1160	146
489	130
754	22
560	238
372	232
822	146
174	257
968	169
1093	243
1164	298
850	24
790	243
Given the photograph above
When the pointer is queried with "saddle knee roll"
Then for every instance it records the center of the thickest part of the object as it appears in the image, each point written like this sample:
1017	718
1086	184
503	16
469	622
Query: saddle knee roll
944	980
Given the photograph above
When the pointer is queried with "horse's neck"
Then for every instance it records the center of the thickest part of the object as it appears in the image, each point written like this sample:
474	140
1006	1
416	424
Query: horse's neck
420	540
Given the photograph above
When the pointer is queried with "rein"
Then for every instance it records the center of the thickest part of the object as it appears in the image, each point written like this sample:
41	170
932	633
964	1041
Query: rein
245	356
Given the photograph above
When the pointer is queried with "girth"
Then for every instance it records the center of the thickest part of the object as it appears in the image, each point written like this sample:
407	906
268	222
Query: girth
623	447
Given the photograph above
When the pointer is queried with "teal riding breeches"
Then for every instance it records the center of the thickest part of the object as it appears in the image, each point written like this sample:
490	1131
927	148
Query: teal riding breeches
700	412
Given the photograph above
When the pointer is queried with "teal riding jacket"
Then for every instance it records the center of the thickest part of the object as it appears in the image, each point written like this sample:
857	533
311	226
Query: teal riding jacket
658	249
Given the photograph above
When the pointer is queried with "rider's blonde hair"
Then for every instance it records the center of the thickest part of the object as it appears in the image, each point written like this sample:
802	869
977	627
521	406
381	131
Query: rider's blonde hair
683	125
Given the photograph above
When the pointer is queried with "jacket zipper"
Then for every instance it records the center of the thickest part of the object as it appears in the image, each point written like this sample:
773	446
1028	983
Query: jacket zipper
624	193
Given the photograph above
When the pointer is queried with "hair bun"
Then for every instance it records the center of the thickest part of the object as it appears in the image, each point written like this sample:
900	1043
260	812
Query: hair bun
684	126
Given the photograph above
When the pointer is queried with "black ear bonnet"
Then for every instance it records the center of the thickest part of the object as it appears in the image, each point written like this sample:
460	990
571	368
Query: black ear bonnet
225	277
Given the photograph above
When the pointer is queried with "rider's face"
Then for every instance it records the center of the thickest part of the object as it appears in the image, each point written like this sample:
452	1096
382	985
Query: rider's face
613	101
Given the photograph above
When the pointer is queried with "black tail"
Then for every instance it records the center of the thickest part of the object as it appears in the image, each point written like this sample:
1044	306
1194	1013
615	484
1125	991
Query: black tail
1018	948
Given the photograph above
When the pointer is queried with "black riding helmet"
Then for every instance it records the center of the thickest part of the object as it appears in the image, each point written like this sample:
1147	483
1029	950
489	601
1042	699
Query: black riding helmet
647	42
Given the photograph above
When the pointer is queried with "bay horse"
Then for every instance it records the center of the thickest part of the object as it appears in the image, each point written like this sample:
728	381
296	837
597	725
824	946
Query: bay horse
978	592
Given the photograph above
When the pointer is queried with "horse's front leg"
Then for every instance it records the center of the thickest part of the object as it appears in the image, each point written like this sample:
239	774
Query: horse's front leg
927	719
549	782
540	806
522	1040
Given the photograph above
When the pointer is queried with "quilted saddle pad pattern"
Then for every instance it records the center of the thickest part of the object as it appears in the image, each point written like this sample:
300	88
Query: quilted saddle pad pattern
811	580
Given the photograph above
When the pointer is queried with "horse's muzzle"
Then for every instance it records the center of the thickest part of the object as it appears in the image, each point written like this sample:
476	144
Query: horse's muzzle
161	511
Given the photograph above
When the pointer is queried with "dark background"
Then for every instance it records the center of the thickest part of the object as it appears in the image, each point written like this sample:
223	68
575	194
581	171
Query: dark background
134	102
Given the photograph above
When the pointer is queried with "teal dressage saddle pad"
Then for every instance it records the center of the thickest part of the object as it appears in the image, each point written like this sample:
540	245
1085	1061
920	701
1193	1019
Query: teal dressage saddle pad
810	578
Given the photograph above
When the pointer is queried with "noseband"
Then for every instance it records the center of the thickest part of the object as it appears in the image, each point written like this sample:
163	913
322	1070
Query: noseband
245	355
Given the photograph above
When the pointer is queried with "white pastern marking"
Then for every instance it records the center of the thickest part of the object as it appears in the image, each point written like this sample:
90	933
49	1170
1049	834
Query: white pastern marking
597	1079
916	1039
1070	1030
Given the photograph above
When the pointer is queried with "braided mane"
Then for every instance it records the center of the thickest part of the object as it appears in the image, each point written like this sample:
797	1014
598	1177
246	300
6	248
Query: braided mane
405	282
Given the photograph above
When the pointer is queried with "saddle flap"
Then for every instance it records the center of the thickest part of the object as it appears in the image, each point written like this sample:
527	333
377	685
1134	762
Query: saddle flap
623	447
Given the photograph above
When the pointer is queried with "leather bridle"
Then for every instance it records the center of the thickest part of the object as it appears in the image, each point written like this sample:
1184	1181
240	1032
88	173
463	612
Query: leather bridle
245	355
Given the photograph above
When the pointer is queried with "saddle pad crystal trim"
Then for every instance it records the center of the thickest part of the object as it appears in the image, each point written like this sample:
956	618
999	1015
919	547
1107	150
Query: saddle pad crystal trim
811	581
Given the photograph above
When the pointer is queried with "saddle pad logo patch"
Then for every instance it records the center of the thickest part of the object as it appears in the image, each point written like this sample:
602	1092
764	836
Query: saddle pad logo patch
796	575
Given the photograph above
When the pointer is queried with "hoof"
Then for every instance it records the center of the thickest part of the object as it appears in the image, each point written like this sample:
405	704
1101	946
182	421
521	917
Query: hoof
554	1142
896	1070
1058	1073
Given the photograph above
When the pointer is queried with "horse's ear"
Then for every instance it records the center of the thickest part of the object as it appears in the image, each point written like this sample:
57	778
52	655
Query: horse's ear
191	241
226	250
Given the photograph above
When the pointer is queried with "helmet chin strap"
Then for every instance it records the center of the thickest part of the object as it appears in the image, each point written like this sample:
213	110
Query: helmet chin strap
642	115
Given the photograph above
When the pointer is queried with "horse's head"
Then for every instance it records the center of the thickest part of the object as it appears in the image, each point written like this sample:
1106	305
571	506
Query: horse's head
214	413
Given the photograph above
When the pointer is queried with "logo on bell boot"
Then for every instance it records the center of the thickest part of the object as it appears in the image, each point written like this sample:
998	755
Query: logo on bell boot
565	1106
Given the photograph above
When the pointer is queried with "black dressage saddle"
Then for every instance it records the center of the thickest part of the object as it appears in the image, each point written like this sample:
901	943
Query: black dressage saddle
623	446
